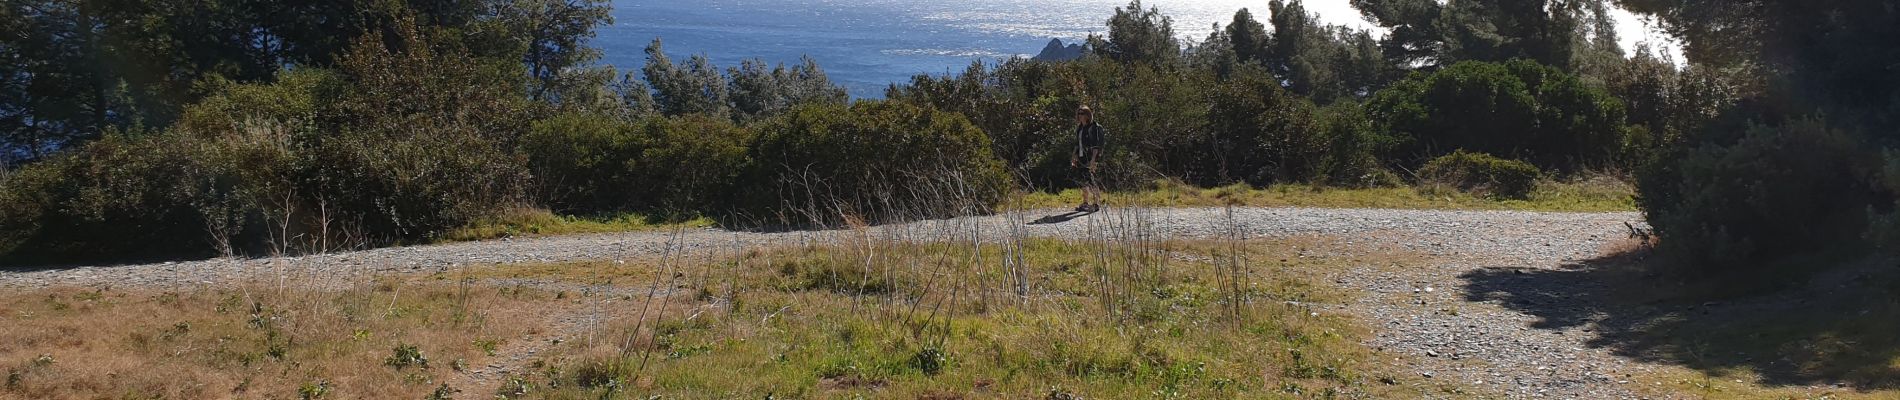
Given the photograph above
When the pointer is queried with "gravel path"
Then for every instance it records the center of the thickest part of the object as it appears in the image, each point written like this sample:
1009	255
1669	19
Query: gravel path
1422	313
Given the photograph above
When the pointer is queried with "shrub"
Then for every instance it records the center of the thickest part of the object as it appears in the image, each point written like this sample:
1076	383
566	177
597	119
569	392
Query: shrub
581	161
873	160
593	163
1352	149
1257	132
1518	109
118	197
398	145
691	163
421	140
1482	173
1780	191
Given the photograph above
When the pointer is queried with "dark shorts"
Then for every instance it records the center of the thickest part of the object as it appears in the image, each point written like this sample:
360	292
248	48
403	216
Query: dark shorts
1083	174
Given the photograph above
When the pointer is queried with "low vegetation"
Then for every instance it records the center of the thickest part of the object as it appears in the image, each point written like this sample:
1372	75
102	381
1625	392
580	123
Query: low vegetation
395	337
863	316
1597	194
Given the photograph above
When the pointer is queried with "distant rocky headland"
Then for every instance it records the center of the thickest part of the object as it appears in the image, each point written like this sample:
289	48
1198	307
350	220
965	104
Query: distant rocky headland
1057	51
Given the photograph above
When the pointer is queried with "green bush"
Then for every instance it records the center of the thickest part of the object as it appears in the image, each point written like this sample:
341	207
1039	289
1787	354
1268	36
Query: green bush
583	162
396	146
874	160
1352	149
1257	133
591	163
1483	174
1520	109
1793	190
119	197
420	144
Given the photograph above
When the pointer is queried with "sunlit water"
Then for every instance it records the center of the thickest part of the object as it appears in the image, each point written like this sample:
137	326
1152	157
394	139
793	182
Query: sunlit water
866	45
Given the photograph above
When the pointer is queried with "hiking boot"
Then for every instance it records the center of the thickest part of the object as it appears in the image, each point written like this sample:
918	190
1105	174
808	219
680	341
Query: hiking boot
1082	208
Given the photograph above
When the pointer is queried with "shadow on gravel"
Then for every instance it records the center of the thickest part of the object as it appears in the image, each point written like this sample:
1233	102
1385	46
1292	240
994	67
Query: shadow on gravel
1059	218
1841	328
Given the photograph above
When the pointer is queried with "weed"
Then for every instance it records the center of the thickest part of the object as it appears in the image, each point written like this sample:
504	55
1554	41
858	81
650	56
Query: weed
929	360
487	346
406	355
443	392
514	387
313	390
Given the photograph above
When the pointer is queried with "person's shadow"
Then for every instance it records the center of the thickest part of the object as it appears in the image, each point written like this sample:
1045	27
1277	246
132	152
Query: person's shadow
1060	218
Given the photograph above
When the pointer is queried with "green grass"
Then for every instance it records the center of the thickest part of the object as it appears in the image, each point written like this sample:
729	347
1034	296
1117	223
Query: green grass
539	222
1590	195
942	321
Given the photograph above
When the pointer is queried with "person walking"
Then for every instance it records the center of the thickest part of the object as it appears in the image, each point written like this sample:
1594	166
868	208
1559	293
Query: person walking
1090	138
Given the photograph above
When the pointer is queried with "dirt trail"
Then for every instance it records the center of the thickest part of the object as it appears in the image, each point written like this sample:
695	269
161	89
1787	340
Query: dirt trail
1426	316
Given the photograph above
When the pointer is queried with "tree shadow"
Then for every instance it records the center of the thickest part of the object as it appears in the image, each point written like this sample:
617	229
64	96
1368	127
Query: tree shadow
1838	327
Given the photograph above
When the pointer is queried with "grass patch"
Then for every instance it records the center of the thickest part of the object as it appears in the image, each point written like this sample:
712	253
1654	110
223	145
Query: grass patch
1601	194
540	222
394	338
1075	320
1103	318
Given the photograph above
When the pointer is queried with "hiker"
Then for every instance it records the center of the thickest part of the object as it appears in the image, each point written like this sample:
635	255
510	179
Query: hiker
1090	137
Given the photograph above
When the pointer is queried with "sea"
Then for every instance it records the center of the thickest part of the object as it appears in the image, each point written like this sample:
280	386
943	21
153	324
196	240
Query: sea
865	45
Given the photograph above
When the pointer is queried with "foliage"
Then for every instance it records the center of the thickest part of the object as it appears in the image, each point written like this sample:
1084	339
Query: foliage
1785	168
1482	173
1353	148
421	142
1259	133
873	160
74	69
692	87
1559	33
1781	191
1138	35
1518	109
397	145
1324	62
758	93
590	163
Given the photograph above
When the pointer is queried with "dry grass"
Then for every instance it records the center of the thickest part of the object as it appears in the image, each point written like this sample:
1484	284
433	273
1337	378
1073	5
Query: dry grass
254	340
876	317
1598	194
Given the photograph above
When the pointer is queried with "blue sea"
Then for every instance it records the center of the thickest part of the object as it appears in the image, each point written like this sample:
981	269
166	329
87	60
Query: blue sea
865	45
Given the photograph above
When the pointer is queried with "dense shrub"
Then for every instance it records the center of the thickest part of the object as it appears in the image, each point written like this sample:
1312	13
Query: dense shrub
591	163
421	141
1779	192
1352	151
1518	109
581	161
120	197
1482	173
1257	132
394	146
873	160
